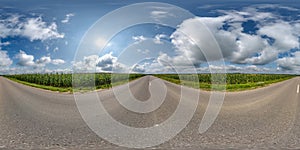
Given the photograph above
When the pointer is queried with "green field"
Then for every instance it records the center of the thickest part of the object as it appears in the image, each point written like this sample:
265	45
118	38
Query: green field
70	83
234	82
86	82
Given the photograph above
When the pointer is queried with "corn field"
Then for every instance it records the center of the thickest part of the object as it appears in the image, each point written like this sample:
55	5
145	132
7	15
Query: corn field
98	80
228	78
106	80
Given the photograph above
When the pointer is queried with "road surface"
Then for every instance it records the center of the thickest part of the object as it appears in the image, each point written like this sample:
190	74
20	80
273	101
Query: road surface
268	117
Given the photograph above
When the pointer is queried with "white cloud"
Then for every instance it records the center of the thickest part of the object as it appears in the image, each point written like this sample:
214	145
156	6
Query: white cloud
269	54
24	59
178	61
28	60
290	63
87	64
94	63
5	61
47	60
68	17
47	48
138	39
37	29
57	61
7	24
159	13
138	68
273	36
233	68
31	28
4	31
145	52
55	49
159	37
276	6
283	33
108	63
164	59
44	60
246	46
153	67
4	43
253	68
164	64
183	40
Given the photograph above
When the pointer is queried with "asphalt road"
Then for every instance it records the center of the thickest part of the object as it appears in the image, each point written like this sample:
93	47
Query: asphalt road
268	117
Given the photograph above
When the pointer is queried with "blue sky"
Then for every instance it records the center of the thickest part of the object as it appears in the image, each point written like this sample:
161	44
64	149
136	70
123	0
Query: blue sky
45	36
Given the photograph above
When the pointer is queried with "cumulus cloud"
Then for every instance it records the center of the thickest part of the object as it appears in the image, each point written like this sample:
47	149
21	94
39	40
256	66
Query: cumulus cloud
24	59
153	67
139	68
252	36
283	34
5	61
57	61
68	17
44	60
37	29
106	62
47	60
87	64
159	37
245	47
178	61
33	28
290	63
184	40
269	54
270	35
28	60
94	63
